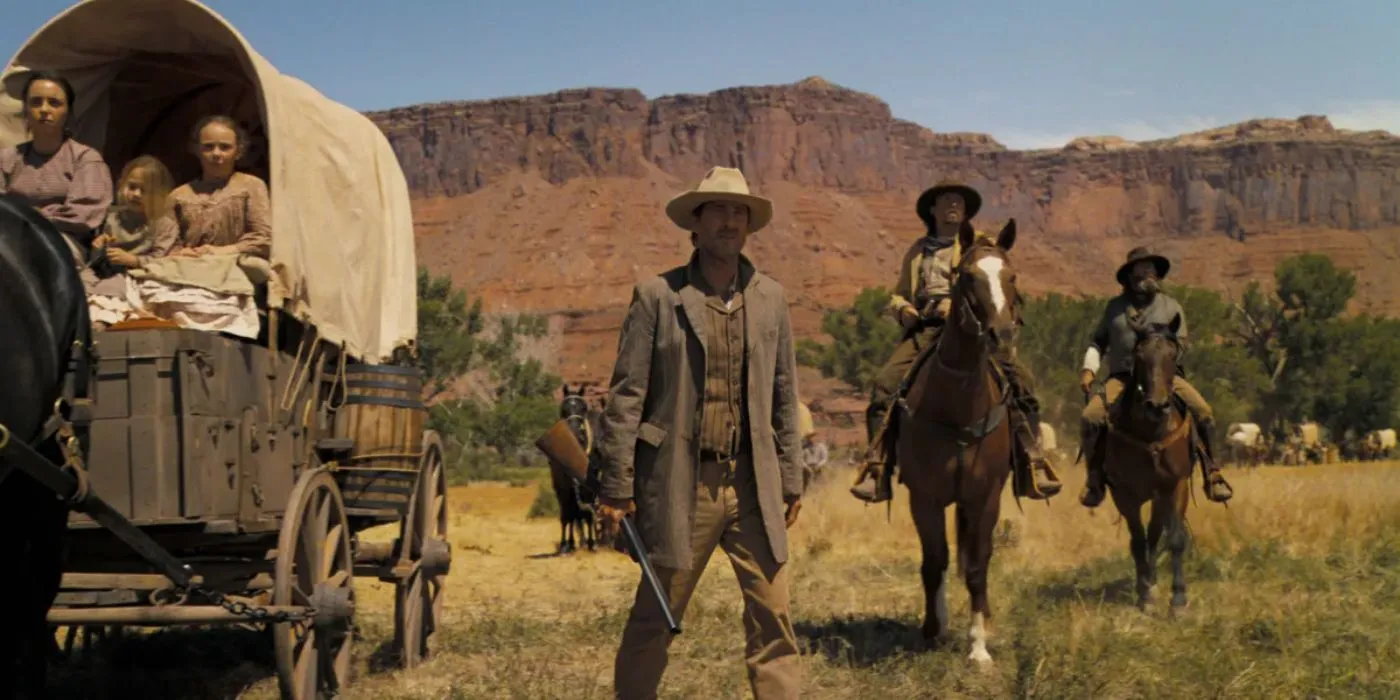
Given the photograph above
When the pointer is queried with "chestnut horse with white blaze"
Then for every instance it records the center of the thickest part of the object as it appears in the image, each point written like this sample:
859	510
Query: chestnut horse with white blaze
955	438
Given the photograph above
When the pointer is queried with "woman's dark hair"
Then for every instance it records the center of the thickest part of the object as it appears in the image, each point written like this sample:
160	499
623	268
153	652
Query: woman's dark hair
239	133
68	94
61	81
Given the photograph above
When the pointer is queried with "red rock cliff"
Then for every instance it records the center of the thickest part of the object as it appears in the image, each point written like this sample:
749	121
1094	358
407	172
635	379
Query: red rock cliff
554	202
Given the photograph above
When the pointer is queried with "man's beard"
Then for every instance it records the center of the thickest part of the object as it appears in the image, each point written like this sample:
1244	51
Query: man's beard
1146	287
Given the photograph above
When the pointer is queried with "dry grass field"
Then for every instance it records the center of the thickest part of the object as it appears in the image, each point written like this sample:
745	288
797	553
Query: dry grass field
1294	593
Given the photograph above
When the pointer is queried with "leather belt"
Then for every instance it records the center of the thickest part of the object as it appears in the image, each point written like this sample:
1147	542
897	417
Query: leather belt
712	456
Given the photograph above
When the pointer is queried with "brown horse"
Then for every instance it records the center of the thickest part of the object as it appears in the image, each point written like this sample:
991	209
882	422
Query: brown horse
1149	458
956	441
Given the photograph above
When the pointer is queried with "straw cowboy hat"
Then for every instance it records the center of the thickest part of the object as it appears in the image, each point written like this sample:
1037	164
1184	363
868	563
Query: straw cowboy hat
971	199
1140	254
720	184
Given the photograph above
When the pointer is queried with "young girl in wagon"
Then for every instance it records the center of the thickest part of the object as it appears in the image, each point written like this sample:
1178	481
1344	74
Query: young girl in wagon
138	229
222	216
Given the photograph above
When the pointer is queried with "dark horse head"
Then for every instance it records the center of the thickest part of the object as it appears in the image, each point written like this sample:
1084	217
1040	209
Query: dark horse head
1155	358
573	405
574	409
575	499
43	313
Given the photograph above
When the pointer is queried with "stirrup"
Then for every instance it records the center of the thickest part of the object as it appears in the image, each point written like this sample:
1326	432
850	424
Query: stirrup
871	492
1043	487
1215	480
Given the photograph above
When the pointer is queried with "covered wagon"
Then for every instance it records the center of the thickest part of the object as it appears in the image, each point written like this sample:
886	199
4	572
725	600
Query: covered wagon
1379	444
227	479
1245	444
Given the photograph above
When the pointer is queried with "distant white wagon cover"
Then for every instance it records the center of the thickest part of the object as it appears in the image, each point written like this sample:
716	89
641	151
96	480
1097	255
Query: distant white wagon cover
1243	434
1381	439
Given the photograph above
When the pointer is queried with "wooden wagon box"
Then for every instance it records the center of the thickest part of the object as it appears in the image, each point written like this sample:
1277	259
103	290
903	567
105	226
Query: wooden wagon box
181	431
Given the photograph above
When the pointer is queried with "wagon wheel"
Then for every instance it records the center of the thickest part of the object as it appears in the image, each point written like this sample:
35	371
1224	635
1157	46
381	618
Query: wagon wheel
314	567
418	596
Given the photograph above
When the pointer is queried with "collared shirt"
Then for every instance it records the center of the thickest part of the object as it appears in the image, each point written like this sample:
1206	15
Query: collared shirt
935	271
1116	337
723	418
926	273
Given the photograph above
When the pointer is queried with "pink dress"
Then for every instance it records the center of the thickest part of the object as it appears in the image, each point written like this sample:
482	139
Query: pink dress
71	187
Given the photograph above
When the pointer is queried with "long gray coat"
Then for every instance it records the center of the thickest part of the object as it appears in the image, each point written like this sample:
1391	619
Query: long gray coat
650	433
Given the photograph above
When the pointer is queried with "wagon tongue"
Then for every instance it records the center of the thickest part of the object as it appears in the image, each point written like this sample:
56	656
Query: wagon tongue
72	486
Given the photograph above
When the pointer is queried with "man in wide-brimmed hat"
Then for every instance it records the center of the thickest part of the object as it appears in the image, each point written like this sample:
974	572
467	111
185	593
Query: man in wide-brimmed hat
1141	303
700	437
921	302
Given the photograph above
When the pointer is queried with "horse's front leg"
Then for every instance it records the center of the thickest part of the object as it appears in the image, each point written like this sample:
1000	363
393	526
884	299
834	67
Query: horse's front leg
1177	540
976	523
1142	558
933	539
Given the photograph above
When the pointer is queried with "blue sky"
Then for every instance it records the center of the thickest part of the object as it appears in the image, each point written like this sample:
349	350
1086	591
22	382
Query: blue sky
1030	74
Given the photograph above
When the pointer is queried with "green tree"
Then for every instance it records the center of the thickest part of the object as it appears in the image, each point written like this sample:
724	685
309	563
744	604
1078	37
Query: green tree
1217	361
1055	332
448	326
482	433
863	336
1312	285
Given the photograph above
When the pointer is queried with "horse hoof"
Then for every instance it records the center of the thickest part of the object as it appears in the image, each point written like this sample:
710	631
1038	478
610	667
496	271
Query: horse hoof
980	657
1146	605
1178	607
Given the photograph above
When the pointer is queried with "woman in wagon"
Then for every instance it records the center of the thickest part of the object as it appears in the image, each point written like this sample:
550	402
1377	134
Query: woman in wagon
223	216
139	229
65	180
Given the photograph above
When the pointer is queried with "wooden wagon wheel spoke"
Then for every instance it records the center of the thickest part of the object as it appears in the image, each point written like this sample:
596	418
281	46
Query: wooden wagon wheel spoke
323	517
306	664
418	598
314	567
330	549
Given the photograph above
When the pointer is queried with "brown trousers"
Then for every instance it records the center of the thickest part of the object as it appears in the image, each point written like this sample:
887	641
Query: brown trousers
1096	411
726	515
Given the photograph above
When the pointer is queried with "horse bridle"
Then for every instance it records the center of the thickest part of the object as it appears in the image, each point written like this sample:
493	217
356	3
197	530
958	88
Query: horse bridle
968	320
1146	333
573	400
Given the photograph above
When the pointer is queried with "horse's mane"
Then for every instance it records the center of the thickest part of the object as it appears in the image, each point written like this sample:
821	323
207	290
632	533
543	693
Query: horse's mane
45	310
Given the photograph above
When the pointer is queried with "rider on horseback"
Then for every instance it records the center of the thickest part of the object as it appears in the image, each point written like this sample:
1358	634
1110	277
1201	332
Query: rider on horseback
1142	302
921	303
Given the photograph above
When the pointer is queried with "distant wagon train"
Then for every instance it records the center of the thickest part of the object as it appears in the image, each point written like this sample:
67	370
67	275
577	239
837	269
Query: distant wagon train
1378	444
1245	444
214	478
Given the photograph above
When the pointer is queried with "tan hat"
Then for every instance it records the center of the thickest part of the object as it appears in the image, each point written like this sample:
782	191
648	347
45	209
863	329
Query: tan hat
805	426
720	184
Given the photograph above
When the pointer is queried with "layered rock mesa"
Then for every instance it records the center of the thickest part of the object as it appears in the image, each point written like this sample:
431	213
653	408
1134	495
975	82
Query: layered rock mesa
553	203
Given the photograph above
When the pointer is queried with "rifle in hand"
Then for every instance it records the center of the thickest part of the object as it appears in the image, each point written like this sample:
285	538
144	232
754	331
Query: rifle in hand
560	445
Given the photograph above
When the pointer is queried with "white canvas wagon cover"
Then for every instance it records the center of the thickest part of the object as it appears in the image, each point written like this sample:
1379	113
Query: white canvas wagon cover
342	230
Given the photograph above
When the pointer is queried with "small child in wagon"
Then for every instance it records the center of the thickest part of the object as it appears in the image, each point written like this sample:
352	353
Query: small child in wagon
139	227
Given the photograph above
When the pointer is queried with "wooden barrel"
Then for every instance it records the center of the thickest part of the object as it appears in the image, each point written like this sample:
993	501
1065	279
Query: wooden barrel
383	413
